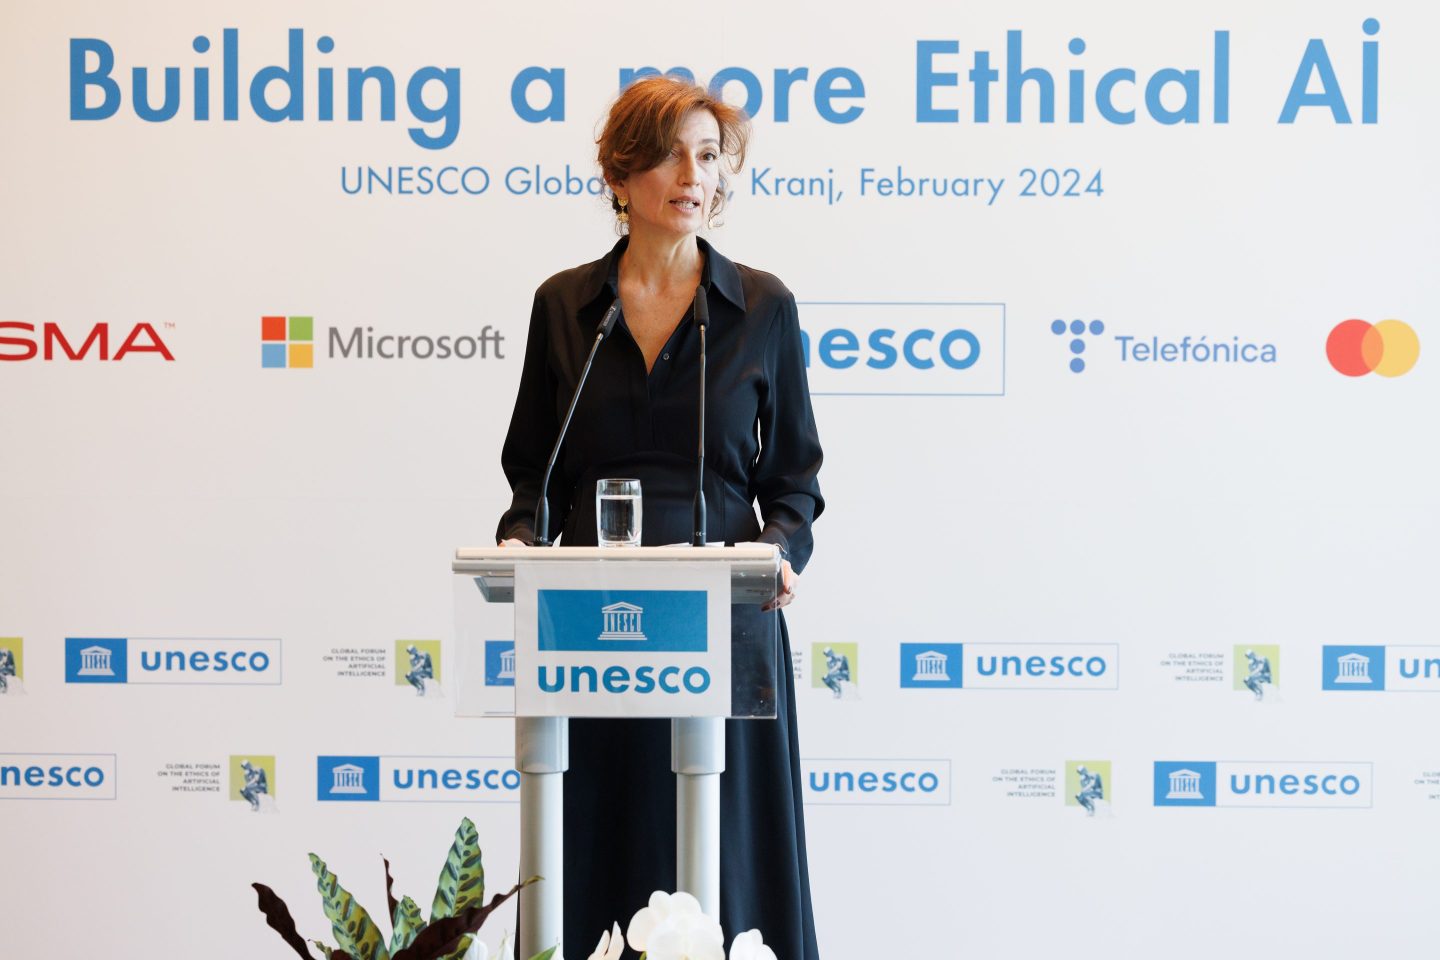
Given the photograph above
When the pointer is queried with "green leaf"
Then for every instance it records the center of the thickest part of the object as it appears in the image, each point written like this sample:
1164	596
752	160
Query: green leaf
408	923
354	930
462	879
324	949
546	954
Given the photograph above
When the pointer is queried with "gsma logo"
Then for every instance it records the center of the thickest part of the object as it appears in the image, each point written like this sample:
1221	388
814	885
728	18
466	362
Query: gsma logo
19	341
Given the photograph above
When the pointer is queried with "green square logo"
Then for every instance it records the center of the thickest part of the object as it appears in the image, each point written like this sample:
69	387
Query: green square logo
252	777
12	659
1256	666
417	662
835	665
1087	782
302	328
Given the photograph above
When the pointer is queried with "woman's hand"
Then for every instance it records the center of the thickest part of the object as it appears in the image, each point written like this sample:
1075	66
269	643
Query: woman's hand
789	581
511	542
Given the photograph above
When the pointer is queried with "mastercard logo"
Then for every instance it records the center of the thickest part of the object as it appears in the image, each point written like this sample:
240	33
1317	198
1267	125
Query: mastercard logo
1389	348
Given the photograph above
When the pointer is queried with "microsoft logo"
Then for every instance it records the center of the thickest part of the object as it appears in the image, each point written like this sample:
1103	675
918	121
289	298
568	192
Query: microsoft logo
287	342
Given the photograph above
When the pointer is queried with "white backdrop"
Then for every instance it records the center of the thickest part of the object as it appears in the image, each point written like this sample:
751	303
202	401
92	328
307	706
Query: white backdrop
1164	515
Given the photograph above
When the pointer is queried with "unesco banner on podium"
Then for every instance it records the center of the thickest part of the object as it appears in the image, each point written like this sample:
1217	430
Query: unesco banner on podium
625	639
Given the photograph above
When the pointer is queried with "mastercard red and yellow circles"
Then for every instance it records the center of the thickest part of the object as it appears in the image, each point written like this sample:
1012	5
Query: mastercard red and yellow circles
1357	347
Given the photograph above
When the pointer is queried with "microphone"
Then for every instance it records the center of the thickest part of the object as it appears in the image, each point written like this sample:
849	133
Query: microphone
702	320
542	506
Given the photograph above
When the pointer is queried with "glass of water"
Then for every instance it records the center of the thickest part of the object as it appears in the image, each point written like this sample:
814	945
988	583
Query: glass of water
617	513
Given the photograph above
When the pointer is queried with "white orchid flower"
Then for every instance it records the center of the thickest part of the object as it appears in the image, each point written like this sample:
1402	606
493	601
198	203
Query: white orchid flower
750	946
649	917
611	945
479	951
673	927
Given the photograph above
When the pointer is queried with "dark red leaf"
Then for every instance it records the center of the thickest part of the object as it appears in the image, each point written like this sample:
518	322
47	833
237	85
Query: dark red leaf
277	915
390	896
442	937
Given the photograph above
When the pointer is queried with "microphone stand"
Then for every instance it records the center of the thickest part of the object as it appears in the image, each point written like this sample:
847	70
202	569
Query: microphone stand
702	320
542	506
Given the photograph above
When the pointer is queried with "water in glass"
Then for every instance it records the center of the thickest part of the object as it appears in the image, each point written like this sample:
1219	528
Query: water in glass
617	513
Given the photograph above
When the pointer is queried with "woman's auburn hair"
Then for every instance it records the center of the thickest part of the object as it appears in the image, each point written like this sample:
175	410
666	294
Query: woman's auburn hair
645	120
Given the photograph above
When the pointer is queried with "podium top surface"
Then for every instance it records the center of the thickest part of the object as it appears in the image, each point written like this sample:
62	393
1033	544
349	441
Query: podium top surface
754	567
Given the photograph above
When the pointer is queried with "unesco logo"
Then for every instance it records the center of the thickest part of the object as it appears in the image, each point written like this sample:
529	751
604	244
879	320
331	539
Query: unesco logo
1371	668
621	623
499	663
876	782
386	779
1010	666
1262	784
57	776
903	349
150	660
1389	348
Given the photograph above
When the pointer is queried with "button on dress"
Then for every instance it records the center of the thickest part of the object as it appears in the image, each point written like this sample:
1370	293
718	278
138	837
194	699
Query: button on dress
761	451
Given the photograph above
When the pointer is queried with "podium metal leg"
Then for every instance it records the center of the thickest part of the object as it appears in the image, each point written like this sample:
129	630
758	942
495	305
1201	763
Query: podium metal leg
542	755
697	756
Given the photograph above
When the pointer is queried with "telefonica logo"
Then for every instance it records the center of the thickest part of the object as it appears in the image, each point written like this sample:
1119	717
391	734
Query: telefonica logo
1010	666
876	782
57	776
1232	783
1389	348
151	660
904	349
100	341
288	342
1082	339
386	779
1371	669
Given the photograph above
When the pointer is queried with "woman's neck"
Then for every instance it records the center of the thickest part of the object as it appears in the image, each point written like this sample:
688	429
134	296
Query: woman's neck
657	263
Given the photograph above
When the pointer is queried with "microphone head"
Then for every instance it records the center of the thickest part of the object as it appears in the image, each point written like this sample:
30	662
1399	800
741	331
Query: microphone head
702	306
607	322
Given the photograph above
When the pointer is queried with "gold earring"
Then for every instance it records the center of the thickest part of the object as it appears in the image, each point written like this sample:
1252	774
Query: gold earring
623	216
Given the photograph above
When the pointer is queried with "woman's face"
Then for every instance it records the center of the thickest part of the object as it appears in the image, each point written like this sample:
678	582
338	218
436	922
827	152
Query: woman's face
674	196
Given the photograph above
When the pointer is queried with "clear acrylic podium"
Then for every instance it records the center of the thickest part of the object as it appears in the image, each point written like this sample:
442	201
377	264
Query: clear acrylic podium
671	632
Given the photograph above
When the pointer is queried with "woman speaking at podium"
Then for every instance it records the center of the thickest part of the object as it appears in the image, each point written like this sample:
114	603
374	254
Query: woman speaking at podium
665	149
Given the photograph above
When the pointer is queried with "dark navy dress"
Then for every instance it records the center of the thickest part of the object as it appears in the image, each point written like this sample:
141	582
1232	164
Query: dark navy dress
761	449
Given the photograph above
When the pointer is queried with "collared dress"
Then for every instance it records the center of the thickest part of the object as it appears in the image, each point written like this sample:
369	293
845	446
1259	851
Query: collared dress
761	450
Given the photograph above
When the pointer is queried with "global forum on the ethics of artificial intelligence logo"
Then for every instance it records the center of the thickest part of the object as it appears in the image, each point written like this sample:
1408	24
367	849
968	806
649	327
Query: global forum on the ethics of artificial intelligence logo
1389	348
12	665
252	780
287	342
417	667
